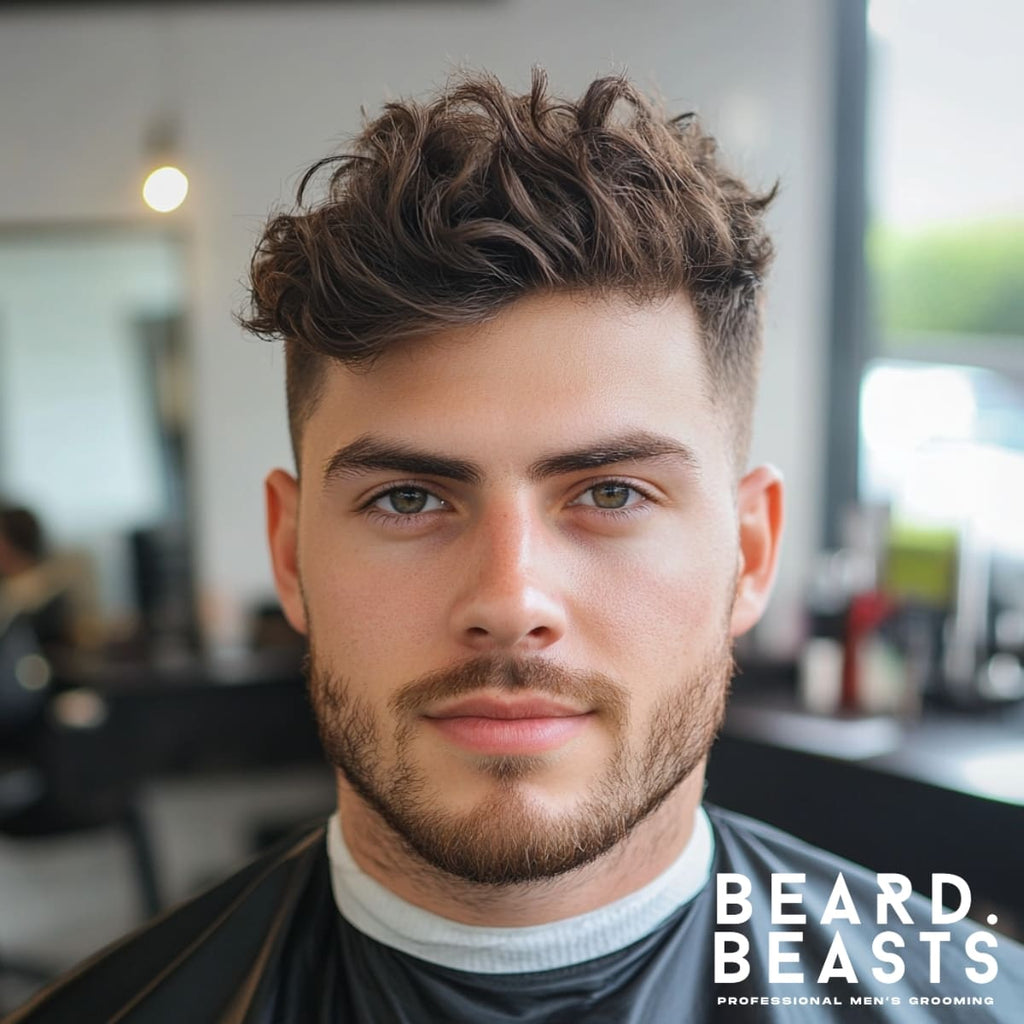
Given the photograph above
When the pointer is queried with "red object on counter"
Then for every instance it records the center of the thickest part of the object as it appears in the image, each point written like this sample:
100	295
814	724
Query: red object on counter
866	613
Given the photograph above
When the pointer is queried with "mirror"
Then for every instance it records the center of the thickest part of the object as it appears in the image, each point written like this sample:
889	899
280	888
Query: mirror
94	391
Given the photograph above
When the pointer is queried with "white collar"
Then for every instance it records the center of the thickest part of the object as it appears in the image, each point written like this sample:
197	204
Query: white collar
379	913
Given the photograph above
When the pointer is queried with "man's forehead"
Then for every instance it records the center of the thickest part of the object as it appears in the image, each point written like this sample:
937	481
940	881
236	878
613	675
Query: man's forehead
550	373
560	340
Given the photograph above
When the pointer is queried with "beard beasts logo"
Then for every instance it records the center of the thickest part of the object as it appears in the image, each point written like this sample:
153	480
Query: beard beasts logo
878	943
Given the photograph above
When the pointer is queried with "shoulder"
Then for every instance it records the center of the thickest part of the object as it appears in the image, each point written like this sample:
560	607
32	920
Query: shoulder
207	950
769	857
738	835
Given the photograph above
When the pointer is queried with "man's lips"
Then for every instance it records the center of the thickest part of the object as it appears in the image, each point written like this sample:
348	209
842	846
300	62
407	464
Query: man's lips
514	725
508	708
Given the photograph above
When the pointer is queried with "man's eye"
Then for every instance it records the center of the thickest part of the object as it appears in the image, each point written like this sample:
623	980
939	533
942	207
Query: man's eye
408	501
610	495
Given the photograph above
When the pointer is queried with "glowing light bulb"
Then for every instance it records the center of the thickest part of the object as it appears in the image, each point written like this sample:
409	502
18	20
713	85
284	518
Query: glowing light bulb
165	189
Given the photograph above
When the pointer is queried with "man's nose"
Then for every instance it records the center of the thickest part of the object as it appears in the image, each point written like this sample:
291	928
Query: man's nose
510	598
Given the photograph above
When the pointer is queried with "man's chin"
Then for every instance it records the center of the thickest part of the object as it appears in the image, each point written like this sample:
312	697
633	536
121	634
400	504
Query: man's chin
512	838
509	769
513	826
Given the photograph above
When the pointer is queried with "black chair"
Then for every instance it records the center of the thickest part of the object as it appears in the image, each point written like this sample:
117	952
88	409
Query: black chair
59	771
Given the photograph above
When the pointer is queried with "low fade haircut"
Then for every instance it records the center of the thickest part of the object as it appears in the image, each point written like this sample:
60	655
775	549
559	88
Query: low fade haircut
445	212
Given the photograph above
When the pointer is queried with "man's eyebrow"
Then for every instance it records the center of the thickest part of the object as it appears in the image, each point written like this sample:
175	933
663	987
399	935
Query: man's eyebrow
368	453
636	446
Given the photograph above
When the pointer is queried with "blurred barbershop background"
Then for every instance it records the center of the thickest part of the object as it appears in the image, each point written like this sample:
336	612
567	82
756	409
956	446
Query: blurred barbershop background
153	726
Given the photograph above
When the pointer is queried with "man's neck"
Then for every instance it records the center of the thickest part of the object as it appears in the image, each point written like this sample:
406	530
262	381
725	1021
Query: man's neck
646	852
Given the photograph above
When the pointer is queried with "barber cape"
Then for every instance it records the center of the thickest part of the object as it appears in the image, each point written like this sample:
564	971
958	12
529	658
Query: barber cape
268	946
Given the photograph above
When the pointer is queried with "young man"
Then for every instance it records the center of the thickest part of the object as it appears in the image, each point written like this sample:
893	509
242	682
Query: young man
522	339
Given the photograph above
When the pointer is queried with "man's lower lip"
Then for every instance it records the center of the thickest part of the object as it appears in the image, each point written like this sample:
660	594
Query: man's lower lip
510	735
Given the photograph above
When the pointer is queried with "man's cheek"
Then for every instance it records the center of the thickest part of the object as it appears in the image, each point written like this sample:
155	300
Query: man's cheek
369	616
679	597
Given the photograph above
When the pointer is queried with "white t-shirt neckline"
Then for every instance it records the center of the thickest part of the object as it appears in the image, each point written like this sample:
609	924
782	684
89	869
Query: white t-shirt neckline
377	912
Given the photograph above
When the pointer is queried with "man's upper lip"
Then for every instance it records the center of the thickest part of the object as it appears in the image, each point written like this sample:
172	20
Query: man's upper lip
508	707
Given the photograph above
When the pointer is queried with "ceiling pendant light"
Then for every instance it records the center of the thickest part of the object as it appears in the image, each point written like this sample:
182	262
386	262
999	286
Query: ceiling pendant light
165	188
166	185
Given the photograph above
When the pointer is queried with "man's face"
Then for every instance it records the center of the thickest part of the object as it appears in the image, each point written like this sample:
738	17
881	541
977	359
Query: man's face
520	555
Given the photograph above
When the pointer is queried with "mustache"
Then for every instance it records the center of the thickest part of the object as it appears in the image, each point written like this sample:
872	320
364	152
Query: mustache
511	675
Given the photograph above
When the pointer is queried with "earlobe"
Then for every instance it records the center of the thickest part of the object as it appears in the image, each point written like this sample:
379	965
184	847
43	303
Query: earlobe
759	515
282	497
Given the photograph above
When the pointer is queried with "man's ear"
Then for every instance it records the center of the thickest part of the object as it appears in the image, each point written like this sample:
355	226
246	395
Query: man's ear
282	494
759	512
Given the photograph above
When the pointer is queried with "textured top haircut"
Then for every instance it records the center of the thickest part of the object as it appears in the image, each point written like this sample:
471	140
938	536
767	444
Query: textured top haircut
445	212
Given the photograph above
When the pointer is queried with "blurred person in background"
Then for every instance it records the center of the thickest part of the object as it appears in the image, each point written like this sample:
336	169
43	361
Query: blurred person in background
35	620
32	585
522	342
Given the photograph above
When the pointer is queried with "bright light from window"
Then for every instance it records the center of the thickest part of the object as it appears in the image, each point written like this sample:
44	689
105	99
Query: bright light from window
926	452
165	189
882	18
903	408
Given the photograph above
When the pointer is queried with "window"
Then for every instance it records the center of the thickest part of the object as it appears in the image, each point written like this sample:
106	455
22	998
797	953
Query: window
942	400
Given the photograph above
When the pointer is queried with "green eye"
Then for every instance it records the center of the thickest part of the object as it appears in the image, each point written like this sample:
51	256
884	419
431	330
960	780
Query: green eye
408	501
610	495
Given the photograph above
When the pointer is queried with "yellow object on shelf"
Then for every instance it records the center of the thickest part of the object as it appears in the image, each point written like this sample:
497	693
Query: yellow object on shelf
921	564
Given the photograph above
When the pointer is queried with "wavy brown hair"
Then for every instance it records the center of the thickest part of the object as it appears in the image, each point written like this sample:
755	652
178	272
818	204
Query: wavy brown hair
445	212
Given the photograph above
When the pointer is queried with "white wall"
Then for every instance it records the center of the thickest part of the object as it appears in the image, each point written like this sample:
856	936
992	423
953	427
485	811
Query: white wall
261	92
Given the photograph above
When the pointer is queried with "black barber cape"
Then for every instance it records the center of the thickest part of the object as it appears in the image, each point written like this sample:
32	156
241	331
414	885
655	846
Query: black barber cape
268	946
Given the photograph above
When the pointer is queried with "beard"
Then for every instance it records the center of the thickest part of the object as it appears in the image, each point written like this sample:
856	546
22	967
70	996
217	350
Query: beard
505	839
